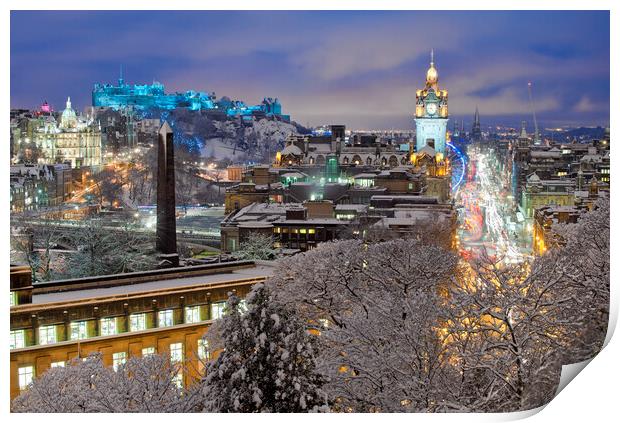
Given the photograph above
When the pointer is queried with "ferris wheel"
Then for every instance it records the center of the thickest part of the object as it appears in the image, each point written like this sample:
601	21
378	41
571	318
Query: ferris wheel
458	162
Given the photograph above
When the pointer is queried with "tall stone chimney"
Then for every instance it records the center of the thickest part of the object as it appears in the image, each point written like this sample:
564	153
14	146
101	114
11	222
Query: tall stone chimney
166	243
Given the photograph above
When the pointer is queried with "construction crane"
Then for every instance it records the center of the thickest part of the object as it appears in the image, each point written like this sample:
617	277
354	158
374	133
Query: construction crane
536	135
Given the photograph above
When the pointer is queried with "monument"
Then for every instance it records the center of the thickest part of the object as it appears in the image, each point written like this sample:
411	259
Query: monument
166	242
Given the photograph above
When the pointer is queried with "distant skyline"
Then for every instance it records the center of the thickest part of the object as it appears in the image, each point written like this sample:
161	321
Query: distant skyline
356	68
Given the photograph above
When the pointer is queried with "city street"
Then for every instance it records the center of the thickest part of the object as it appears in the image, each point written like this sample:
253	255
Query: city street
486	213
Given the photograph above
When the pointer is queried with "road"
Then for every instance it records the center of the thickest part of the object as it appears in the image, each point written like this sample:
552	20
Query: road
485	213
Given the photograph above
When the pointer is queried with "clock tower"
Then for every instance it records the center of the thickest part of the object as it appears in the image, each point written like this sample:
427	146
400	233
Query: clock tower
431	113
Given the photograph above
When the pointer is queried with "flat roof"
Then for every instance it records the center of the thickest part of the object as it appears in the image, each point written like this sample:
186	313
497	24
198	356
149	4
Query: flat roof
260	270
356	207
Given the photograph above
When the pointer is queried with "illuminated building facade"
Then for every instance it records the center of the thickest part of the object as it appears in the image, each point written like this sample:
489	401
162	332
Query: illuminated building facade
75	139
431	113
133	314
357	150
142	97
35	186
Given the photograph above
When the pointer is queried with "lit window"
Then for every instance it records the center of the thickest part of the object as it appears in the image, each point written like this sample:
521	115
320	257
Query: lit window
166	318
47	335
203	349
311	231
192	314
17	339
178	380
13	298
148	351
58	364
118	359
217	310
78	330
176	352
137	322
107	326
302	231
25	376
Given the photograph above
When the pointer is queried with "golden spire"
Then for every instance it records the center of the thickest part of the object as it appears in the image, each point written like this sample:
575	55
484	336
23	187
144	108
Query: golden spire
431	73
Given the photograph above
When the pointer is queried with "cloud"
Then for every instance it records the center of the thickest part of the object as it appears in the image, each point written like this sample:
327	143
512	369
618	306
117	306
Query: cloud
347	51
358	67
586	105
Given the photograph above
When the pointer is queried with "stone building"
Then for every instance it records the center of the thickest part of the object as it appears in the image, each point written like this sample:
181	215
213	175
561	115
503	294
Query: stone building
75	139
119	316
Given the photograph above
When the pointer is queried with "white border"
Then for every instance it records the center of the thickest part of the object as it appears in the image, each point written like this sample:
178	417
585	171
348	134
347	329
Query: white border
592	396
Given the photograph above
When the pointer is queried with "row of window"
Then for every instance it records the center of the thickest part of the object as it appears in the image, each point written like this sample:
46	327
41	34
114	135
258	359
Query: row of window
294	230
26	373
109	326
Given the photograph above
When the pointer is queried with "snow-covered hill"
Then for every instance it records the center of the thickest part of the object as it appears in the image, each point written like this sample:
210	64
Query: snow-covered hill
256	140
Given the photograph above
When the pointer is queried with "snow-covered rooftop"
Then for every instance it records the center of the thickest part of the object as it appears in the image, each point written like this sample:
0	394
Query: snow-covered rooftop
356	207
311	221
365	176
231	276
293	175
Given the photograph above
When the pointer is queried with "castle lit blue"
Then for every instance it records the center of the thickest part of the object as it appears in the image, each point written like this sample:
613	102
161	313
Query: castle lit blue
143	97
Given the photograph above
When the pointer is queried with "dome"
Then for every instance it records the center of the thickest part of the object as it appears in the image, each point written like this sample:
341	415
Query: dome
68	118
431	74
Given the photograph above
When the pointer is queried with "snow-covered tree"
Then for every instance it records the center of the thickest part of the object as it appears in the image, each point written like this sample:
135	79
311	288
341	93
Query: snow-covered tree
377	307
267	363
582	263
101	251
142	384
33	241
256	247
503	339
511	327
107	186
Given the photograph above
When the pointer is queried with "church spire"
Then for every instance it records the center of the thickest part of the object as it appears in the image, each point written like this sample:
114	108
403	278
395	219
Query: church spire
476	132
68	102
121	81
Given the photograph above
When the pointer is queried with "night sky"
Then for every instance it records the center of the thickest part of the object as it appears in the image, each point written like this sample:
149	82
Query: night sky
356	68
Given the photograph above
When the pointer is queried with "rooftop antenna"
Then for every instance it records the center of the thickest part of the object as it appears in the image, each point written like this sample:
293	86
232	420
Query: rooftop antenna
536	136
120	78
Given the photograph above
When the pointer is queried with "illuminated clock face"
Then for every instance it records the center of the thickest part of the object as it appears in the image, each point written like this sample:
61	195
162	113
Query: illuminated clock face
431	108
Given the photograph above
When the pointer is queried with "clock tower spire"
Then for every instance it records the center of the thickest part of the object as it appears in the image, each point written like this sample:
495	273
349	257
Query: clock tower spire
431	112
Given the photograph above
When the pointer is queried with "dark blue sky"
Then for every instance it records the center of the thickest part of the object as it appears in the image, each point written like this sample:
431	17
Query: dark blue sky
356	68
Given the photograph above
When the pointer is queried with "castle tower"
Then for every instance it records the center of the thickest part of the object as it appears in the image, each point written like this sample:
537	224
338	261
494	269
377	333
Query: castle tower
431	112
166	236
